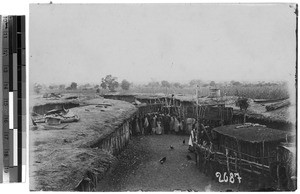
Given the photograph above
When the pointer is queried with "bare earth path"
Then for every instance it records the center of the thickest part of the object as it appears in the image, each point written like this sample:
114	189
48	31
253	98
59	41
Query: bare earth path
139	167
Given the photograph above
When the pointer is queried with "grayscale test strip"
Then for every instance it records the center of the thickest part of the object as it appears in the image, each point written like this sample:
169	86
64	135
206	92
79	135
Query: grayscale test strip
14	94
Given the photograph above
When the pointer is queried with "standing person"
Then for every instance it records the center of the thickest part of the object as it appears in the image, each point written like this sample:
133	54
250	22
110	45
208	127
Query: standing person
176	125
150	123
192	138
162	116
185	126
141	124
137	128
167	123
200	134
154	124
172	124
180	125
190	123
146	124
158	128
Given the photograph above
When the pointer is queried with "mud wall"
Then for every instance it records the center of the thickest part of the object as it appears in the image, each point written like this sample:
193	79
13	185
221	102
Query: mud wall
127	98
116	141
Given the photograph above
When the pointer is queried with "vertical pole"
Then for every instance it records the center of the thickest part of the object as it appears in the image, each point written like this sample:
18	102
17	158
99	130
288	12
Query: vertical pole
197	101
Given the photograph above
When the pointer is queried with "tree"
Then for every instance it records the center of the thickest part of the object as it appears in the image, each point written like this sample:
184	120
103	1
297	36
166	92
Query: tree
110	82
243	103
196	82
153	84
125	85
165	83
235	83
212	83
177	85
62	87
73	86
37	88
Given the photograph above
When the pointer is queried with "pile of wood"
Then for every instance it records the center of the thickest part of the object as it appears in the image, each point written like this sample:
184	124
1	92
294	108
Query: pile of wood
278	105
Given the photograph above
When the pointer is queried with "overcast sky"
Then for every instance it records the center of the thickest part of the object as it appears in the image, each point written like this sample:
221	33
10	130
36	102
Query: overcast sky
174	42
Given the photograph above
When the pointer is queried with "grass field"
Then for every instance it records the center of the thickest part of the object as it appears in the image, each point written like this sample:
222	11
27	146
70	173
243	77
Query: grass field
254	92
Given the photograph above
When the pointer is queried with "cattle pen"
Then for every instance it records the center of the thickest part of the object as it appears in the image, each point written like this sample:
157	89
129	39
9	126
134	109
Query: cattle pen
88	148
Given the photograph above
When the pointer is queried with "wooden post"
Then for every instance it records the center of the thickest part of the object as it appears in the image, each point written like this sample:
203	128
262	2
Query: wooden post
227	160
263	155
277	169
197	98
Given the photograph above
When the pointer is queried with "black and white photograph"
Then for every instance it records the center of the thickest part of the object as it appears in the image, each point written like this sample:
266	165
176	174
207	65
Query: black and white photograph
163	97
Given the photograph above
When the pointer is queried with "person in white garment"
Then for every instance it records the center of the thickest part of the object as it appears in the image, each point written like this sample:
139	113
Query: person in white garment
192	136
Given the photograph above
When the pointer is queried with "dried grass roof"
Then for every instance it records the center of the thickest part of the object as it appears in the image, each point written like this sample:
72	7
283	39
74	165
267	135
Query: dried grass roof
258	111
252	134
60	158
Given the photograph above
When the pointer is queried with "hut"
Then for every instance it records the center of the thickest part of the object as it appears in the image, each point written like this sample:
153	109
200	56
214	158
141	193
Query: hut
249	150
252	142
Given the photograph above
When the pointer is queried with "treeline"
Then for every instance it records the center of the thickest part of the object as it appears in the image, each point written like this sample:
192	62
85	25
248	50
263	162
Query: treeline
109	83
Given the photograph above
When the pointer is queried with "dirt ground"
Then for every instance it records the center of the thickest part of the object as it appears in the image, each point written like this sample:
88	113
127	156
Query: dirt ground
139	167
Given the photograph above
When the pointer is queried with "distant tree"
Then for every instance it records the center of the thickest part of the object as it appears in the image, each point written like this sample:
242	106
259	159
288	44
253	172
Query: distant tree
243	103
103	85
73	86
177	85
96	86
51	87
110	82
235	83
153	84
125	85
86	85
37	88
165	84
212	83
62	87
196	82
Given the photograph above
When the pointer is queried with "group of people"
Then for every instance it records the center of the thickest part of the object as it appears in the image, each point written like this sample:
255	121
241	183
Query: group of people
160	123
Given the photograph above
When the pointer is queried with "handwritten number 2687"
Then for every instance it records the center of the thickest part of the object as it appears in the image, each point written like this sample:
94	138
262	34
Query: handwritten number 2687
231	177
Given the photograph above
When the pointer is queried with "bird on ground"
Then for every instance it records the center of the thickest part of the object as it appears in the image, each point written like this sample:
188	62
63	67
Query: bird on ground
188	157
162	160
183	141
171	147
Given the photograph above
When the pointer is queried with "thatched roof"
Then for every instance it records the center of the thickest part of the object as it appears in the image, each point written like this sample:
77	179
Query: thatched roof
44	101
258	111
252	133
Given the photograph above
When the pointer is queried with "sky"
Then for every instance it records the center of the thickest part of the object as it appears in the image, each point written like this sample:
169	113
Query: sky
153	42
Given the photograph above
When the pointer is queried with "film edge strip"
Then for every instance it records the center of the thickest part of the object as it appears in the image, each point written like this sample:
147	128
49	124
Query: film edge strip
14	99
